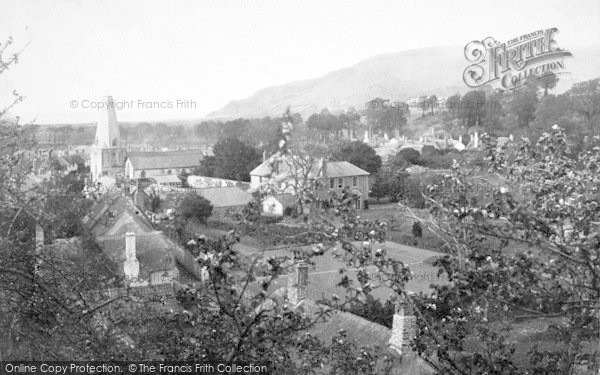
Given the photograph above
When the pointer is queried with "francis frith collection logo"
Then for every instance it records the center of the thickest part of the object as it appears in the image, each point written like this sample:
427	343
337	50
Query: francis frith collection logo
507	65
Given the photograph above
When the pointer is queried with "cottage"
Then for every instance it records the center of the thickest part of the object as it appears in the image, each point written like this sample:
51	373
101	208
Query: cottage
277	204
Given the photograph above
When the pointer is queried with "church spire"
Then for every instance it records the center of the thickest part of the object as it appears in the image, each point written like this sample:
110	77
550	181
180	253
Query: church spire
107	131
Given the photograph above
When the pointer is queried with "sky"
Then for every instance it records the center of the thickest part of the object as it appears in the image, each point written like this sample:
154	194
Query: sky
199	55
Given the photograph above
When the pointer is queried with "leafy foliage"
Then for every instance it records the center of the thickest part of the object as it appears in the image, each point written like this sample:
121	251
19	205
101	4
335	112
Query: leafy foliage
194	206
232	160
359	154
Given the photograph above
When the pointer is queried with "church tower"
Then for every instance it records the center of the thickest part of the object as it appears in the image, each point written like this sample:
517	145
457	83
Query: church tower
107	156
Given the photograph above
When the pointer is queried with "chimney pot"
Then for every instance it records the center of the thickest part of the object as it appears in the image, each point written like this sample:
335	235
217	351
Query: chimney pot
403	326
298	284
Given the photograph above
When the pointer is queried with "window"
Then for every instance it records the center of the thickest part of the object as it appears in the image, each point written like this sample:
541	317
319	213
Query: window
354	180
331	183
169	172
143	174
340	182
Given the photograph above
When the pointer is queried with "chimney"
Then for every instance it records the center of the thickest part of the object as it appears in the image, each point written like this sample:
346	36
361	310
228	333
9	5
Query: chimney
403	326
131	265
510	136
366	140
264	156
476	140
298	284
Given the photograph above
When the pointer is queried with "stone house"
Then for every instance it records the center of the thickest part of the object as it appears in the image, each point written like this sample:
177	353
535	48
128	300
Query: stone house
339	177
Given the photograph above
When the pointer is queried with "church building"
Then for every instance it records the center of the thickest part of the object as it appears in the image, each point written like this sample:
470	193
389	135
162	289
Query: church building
109	158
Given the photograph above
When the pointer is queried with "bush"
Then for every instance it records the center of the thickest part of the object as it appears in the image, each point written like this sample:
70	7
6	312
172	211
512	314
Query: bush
439	159
194	206
417	230
410	155
288	211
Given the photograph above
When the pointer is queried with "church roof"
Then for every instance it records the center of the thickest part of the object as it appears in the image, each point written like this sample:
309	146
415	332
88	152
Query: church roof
165	160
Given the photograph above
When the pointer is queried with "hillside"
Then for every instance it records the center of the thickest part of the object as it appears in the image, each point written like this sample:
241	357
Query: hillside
396	76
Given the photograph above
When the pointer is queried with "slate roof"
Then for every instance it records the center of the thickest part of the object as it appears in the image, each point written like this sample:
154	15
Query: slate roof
151	249
115	215
333	169
230	196
152	298
263	170
358	329
286	200
105	214
343	169
165	160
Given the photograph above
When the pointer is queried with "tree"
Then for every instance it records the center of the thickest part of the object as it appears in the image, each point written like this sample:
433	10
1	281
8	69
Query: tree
232	159
423	104
547	82
473	108
350	121
359	154
551	209
385	118
404	157
555	109
433	103
494	111
325	123
523	102
585	97
194	206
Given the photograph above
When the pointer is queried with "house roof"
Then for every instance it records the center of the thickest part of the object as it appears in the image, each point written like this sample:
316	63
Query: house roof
264	169
333	169
358	329
153	252
115	214
286	200
344	169
165	160
229	196
151	298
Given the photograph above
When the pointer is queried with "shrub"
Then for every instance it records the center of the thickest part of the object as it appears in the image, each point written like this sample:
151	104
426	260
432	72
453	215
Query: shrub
410	155
417	230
